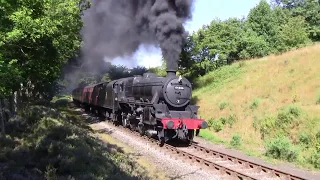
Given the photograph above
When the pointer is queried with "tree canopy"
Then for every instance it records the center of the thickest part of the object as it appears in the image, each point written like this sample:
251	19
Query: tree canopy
36	39
268	28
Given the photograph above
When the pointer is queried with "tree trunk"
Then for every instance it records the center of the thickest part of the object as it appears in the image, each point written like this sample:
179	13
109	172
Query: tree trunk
2	118
13	104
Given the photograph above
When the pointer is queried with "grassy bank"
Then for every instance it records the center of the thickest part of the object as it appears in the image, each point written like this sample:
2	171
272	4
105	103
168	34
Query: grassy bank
267	107
53	143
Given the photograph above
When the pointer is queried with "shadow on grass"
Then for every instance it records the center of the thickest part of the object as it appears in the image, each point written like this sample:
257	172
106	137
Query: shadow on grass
46	144
194	100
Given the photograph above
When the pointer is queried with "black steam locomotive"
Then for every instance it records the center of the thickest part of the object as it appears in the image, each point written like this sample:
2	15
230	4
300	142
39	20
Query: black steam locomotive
153	105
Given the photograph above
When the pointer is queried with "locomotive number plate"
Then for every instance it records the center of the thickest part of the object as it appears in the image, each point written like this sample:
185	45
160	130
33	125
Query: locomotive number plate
179	88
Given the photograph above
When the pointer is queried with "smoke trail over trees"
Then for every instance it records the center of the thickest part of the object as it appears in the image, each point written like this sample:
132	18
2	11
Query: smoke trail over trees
116	28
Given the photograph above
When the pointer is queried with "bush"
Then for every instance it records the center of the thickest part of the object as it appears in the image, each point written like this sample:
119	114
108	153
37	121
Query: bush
231	120
287	116
223	105
223	120
315	159
255	103
280	147
266	126
304	138
217	125
211	122
235	140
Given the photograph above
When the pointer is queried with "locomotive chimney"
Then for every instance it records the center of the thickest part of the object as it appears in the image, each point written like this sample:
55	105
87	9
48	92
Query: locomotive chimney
171	72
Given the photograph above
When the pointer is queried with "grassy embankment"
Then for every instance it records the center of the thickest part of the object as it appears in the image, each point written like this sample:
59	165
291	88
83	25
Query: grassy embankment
54	143
268	107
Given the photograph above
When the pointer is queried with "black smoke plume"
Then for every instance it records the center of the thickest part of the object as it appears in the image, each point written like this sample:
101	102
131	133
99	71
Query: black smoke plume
114	28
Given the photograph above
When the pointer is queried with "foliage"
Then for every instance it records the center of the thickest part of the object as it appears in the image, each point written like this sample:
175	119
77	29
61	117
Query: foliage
235	140
59	145
280	147
255	103
266	125
231	120
10	76
285	118
36	39
309	9
304	139
287	115
267	29
223	105
217	125
315	159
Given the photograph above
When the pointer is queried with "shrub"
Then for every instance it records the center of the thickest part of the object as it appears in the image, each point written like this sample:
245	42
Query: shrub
266	126
235	140
315	159
255	103
304	138
280	147
50	173
223	105
287	115
216	125
231	120
223	120
211	122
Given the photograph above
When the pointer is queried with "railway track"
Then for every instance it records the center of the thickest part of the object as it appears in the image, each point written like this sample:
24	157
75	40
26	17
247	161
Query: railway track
229	167
241	168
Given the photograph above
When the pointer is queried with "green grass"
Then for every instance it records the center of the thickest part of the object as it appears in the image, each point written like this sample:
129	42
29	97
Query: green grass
206	134
217	78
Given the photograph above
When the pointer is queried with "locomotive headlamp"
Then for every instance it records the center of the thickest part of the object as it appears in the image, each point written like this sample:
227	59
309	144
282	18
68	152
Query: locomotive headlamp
169	124
203	125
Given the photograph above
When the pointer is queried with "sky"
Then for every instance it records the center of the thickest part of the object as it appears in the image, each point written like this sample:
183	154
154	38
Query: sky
204	11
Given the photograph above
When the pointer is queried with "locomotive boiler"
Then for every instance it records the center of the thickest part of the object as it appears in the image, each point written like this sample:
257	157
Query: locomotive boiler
155	106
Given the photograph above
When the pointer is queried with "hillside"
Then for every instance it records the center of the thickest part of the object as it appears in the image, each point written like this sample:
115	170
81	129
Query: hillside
268	107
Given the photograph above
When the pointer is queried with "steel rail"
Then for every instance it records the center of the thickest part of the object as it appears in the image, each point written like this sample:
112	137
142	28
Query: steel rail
248	164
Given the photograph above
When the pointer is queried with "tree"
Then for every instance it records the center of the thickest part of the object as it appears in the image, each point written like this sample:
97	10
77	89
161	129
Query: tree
277	26
252	45
309	9
261	20
36	38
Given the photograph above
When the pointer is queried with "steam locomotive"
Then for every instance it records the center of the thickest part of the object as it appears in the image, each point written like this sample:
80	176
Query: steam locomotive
153	105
